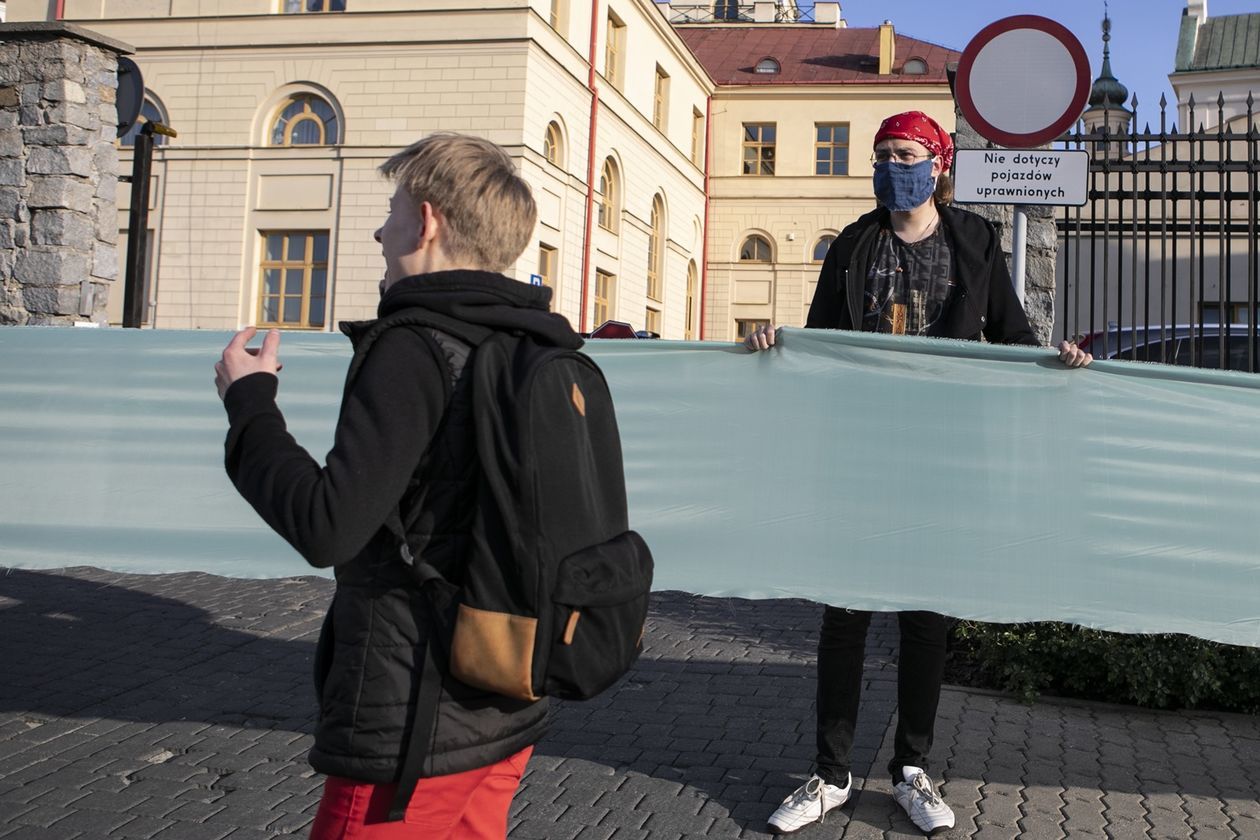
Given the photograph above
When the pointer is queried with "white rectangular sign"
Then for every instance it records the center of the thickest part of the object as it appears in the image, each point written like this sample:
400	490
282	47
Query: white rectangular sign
1021	176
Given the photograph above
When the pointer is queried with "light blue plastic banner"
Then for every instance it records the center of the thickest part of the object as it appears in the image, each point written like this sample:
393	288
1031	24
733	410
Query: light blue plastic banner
864	471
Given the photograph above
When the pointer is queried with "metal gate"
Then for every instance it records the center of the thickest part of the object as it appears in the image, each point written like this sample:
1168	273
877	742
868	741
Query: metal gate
1160	263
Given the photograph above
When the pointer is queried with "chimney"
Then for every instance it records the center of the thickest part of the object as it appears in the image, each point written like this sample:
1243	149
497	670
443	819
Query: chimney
887	48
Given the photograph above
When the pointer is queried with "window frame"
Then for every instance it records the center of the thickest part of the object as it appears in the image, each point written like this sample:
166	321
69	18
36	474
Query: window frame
656	249
285	265
754	238
306	115
547	265
614	50
553	143
652	319
830	147
606	212
761	148
603	298
660	100
745	327
299	7
829	238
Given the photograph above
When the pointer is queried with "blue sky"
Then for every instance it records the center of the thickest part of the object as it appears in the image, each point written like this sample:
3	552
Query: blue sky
1143	42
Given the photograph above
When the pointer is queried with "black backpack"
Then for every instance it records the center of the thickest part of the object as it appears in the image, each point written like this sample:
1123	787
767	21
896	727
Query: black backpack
553	597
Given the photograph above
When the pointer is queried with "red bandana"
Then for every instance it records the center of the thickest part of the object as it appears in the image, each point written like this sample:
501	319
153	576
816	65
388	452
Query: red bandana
919	127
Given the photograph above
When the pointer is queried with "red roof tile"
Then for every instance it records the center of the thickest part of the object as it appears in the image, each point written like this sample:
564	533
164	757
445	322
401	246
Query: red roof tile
808	55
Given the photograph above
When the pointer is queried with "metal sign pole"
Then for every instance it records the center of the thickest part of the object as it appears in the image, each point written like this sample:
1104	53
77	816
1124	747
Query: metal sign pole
1019	250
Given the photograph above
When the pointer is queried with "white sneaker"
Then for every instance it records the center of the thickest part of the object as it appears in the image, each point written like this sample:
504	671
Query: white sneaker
918	796
807	804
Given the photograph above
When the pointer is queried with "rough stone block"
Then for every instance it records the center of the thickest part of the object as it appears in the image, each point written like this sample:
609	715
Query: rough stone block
106	159
12	173
105	261
59	160
6	234
51	300
49	267
10	199
8	119
10	142
62	227
31	113
106	226
107	193
8	96
56	135
64	90
74	114
10	73
59	191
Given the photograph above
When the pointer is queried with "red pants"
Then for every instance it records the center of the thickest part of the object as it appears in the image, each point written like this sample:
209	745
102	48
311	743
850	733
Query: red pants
462	806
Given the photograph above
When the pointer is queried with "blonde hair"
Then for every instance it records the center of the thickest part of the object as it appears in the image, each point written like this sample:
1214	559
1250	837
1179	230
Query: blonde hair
488	208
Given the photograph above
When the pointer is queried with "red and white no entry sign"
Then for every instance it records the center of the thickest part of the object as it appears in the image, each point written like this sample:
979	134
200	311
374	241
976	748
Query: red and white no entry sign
1023	81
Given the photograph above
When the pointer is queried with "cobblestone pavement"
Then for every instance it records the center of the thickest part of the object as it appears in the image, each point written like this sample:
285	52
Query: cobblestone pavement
179	707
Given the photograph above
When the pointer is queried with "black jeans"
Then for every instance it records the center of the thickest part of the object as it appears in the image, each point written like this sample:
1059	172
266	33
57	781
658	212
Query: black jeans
921	666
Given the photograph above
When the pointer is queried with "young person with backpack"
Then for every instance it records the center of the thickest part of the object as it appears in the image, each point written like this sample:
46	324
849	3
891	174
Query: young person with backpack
914	266
475	574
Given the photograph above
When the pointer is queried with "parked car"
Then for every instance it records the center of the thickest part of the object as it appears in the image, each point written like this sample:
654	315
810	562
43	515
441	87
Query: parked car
1171	345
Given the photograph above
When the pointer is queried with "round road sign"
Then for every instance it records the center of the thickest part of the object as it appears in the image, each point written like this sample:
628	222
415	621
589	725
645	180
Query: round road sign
130	97
1023	81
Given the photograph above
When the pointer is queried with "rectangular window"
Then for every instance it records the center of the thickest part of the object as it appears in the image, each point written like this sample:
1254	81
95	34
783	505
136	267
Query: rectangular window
614	50
293	283
697	136
660	101
652	320
547	267
759	148
745	327
831	149
605	288
296	7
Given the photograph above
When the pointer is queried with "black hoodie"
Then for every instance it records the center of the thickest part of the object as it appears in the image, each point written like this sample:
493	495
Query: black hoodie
393	431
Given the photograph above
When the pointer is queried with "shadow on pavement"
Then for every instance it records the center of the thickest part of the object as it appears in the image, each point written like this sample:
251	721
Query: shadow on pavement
74	644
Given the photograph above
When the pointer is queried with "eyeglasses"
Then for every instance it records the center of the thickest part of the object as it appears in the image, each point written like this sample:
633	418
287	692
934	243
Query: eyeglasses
904	156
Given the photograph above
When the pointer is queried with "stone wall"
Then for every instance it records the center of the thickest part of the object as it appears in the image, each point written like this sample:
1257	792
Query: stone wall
1042	238
58	173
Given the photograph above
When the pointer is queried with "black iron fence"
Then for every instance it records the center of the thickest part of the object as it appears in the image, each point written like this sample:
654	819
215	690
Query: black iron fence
1160	264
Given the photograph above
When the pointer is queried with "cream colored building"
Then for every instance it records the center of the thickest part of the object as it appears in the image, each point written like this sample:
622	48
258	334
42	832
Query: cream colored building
263	207
794	120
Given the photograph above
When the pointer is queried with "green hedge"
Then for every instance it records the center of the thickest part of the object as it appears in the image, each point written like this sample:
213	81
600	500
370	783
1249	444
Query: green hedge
1158	671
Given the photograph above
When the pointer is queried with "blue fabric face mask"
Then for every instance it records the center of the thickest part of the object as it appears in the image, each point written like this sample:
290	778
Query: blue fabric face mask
901	187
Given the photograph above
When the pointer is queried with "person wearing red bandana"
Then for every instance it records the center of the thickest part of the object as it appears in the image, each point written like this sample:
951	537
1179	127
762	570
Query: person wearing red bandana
916	266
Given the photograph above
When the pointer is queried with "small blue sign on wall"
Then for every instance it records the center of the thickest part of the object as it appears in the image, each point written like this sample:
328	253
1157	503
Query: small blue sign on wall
535	280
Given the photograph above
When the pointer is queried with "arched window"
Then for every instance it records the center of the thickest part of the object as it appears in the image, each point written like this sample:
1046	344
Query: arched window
149	112
914	67
693	287
608	187
767	65
551	144
756	248
822	245
656	250
305	119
